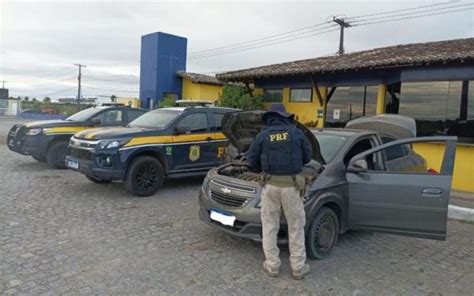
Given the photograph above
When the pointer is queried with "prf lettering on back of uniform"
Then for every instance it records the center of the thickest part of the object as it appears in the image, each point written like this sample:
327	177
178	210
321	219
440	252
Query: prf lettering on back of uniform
279	137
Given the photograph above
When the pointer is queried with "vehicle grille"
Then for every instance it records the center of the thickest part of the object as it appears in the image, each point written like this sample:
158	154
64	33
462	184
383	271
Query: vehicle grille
229	200
80	153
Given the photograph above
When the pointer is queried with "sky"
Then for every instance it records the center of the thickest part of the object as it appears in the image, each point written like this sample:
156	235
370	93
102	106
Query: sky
41	40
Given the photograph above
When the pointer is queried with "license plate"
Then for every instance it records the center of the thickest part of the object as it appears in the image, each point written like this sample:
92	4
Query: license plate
223	218
73	164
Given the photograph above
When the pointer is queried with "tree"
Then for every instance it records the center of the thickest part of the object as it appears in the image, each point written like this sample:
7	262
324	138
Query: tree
235	96
113	98
47	100
167	102
34	99
26	98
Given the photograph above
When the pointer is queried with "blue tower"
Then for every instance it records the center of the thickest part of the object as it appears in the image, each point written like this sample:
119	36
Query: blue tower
162	56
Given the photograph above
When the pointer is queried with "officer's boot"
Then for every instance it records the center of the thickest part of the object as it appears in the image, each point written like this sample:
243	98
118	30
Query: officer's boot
301	273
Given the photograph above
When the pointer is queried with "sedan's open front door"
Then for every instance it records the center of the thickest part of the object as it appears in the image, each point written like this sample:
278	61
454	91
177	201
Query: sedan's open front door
405	201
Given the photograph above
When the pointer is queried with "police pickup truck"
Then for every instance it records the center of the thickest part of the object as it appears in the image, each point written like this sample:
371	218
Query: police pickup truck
163	143
48	140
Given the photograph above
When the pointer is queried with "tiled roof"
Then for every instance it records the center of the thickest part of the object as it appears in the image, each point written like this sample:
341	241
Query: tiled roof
458	50
200	78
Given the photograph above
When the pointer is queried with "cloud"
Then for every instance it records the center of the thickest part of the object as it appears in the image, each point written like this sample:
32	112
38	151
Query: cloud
43	39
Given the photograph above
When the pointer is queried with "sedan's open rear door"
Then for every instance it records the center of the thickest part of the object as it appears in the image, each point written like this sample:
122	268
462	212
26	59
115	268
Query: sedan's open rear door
405	200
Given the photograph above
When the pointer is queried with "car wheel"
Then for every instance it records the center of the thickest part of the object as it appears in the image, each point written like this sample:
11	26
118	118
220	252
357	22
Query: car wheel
144	176
98	181
39	158
322	234
56	155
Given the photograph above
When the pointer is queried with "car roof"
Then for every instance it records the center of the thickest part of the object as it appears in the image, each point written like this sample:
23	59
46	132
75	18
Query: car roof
345	132
118	107
181	109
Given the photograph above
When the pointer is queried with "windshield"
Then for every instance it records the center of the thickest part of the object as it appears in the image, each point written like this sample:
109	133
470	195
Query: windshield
84	114
329	145
155	119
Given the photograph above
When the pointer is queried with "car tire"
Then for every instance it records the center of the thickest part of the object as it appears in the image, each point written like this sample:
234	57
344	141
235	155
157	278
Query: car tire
98	181
145	176
39	158
56	155
322	234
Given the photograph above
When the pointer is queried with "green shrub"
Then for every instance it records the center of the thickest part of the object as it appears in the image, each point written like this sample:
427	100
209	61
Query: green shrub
234	96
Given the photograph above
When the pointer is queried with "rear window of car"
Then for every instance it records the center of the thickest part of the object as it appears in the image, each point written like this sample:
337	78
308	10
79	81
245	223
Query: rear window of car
330	145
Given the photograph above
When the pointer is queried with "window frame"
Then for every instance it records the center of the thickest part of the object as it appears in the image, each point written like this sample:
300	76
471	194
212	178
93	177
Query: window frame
208	128
100	114
270	89
214	123
311	95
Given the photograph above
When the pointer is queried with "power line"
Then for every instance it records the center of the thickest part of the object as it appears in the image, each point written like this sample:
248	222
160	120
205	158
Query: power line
57	92
393	15
264	45
36	86
312	27
410	17
414	13
116	90
401	10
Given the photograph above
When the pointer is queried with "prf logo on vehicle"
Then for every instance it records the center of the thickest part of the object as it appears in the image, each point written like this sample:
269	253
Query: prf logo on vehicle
163	143
194	152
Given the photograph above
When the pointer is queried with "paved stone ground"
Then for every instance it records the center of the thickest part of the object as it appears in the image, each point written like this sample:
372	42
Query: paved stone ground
61	234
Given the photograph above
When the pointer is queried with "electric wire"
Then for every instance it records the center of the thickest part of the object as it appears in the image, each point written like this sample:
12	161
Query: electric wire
265	45
114	90
410	17
57	92
400	10
413	13
421	11
258	40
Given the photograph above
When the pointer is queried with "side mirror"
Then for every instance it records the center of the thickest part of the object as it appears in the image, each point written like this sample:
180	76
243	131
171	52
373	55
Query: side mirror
183	129
359	166
95	120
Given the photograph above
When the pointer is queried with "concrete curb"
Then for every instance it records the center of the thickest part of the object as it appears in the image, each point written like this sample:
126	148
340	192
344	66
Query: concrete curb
460	213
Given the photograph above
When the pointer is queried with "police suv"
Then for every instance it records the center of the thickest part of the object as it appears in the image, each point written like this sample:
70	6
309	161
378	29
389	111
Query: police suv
47	140
163	143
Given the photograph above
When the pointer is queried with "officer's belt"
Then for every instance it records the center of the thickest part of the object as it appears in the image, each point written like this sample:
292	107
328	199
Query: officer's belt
280	181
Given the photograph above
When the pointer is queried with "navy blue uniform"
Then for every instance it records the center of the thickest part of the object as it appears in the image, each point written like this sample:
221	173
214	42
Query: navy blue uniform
280	149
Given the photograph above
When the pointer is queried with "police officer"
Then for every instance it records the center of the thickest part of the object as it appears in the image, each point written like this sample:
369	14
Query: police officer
280	151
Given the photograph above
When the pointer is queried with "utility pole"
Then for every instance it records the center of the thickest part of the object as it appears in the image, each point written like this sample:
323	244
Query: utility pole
343	24
79	86
3	83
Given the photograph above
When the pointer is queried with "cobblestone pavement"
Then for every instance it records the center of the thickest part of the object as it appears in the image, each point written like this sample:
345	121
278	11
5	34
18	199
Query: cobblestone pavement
61	234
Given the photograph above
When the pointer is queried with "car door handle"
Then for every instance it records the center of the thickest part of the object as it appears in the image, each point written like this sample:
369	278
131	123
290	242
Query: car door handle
432	191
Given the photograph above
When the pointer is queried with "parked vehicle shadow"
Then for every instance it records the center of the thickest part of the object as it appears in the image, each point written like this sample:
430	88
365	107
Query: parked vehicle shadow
186	182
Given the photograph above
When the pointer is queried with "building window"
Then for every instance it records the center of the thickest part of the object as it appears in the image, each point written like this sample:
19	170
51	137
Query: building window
349	103
273	96
470	102
301	95
434	105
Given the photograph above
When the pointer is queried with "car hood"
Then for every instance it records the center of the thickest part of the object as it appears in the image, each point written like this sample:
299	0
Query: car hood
52	123
108	133
242	127
398	126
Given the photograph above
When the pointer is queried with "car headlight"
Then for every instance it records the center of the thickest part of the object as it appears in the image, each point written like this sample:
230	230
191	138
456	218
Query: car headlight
111	144
34	131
